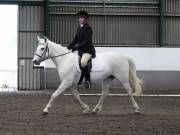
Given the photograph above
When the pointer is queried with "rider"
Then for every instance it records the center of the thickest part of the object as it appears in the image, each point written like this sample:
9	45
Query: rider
82	42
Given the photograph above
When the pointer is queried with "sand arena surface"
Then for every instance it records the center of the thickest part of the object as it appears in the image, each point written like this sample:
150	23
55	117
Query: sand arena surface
20	114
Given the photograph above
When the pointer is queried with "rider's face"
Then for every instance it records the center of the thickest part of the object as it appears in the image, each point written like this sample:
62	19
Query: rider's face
81	20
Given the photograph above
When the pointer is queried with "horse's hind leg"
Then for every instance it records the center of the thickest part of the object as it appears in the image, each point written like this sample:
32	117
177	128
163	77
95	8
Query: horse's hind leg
129	91
83	105
105	91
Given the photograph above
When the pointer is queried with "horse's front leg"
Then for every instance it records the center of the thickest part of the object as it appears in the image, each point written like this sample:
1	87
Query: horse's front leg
84	106
63	86
105	91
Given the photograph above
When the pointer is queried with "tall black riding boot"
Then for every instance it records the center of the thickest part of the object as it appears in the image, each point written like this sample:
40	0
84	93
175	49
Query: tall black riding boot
87	77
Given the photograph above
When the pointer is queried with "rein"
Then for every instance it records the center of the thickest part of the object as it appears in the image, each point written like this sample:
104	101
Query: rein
58	55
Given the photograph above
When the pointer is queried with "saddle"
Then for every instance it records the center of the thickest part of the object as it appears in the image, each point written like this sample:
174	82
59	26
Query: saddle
97	64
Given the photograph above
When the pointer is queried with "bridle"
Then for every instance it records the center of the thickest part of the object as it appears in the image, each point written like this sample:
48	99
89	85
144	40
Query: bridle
46	50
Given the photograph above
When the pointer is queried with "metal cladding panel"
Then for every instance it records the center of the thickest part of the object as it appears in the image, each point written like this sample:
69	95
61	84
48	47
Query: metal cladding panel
104	0
132	30
132	0
172	31
132	10
115	30
29	78
27	44
172	23
98	25
73	9
29	0
172	6
66	9
64	27
75	0
31	24
23	0
31	18
114	26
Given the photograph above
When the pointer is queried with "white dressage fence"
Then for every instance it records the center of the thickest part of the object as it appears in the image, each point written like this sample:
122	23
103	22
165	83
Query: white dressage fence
8	80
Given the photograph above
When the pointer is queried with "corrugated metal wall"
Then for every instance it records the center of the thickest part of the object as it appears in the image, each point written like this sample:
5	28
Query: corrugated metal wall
118	22
114	24
172	23
106	0
31	24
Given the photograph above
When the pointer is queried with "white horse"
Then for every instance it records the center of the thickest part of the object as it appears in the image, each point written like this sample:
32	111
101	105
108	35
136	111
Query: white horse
116	66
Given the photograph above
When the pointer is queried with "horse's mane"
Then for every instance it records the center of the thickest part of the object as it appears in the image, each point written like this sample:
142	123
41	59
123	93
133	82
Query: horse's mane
57	45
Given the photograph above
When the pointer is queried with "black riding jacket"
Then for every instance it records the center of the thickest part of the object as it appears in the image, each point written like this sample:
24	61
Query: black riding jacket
83	40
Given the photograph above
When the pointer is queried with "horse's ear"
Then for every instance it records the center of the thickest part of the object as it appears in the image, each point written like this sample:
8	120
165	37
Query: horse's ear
45	38
38	38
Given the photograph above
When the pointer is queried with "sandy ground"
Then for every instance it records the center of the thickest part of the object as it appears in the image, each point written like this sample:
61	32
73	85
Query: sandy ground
20	114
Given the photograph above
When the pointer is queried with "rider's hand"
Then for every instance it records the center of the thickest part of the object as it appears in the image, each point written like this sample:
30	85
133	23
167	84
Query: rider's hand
74	49
68	48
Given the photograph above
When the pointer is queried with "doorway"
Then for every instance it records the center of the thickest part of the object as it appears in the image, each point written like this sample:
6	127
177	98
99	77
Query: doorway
8	47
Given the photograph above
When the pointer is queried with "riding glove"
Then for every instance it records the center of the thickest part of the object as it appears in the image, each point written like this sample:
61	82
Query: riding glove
75	48
68	48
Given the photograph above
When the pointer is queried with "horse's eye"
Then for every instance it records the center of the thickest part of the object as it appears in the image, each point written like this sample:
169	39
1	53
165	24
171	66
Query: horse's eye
42	49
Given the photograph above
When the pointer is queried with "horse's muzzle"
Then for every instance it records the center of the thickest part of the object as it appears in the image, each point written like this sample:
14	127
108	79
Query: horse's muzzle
36	62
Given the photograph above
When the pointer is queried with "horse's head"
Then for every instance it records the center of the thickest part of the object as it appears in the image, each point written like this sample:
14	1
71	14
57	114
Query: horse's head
42	51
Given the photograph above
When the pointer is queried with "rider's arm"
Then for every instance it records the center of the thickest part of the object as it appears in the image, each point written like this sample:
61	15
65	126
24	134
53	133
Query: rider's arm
75	40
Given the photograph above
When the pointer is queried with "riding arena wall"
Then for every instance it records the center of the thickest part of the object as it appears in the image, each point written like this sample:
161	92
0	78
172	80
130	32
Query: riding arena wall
147	30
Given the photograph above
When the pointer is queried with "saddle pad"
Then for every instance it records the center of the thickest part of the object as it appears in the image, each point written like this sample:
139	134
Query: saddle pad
97	64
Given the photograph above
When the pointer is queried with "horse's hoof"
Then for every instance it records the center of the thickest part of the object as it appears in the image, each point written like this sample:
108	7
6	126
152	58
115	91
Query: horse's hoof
136	112
45	113
96	110
86	111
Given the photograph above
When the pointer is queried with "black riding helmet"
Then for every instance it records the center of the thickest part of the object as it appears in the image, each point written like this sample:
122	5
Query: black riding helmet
82	13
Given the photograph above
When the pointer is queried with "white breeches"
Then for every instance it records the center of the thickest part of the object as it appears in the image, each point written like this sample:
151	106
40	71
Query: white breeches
84	59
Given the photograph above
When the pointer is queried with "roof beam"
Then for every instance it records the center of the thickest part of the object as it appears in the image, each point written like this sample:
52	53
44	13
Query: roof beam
22	3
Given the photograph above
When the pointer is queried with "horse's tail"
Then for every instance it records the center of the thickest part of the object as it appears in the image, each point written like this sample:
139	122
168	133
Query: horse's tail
135	82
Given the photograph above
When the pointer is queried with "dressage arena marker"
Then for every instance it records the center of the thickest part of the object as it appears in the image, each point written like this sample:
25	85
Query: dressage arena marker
143	95
48	92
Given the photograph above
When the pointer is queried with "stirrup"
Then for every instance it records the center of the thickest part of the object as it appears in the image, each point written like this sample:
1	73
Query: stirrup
87	85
